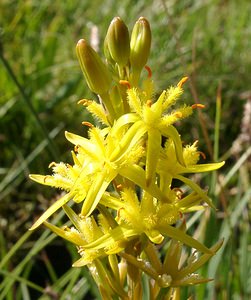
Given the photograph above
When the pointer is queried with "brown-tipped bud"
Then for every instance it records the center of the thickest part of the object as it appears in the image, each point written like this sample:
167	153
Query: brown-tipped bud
95	71
140	43
117	40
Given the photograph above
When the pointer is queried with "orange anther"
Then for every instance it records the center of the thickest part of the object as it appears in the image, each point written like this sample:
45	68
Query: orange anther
84	101
182	81
149	103
198	105
149	71
119	187
76	148
87	124
125	83
178	114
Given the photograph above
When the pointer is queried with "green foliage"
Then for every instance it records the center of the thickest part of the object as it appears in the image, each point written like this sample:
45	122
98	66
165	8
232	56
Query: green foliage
209	41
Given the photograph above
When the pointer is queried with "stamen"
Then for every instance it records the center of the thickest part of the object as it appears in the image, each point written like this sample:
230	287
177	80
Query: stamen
76	148
149	71
149	103
119	187
182	81
125	83
84	102
178	114
52	164
87	124
198	105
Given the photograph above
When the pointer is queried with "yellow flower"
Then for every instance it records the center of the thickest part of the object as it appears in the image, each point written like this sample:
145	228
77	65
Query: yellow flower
86	230
98	161
152	117
170	168
138	219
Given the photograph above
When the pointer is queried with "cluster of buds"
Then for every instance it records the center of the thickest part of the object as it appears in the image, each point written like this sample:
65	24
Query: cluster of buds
129	213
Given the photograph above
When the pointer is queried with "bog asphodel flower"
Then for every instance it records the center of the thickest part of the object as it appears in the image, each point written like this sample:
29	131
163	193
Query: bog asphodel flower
122	175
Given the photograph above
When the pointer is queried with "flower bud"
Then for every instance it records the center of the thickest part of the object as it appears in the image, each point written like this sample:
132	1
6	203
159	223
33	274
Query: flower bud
95	71
107	53
140	44
118	43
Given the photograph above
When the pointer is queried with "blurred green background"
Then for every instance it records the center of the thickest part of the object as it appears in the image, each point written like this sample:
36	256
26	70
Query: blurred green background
40	84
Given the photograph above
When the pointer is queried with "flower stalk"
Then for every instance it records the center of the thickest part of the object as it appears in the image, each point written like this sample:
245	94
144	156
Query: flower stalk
128	210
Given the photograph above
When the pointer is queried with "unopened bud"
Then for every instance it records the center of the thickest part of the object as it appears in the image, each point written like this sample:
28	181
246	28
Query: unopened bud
140	44
107	53
95	71
118	42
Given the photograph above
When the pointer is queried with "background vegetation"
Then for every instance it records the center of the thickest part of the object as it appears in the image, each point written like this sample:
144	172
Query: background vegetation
40	83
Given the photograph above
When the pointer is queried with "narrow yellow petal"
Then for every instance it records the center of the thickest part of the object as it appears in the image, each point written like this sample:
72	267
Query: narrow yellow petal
172	132
43	179
203	167
196	188
195	265
75	219
181	236
69	235
117	234
88	147
191	280
81	262
138	176
110	201
124	120
97	190
132	136
54	207
84	260
155	236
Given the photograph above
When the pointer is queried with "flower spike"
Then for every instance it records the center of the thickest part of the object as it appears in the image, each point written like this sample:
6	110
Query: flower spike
122	178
